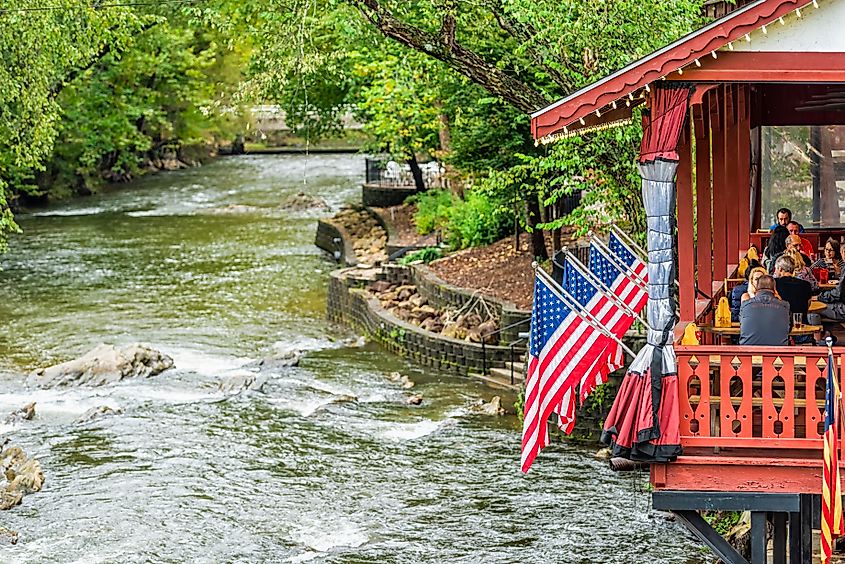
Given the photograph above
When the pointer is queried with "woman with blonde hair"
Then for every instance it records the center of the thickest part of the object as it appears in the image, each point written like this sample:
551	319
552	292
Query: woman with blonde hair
753	277
802	271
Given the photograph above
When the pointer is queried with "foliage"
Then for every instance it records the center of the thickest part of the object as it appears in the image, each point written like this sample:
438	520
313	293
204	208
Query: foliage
477	220
722	521
432	210
425	255
480	218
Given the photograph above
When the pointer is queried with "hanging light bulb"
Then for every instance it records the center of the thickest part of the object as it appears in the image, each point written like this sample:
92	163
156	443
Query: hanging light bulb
780	19
582	121
748	38
598	113
613	104
798	12
764	30
815	4
697	63
680	71
715	56
647	89
731	45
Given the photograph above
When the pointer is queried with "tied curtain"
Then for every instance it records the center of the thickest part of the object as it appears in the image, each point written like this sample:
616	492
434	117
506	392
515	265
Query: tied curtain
643	423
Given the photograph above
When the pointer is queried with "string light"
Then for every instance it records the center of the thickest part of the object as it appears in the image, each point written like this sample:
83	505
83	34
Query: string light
816	4
697	63
582	121
748	38
715	56
598	113
647	89
764	30
780	19
568	134
681	70
614	104
798	12
730	45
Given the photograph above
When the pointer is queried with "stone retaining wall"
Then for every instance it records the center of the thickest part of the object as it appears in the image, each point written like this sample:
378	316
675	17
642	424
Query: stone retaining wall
440	293
385	196
350	304
327	232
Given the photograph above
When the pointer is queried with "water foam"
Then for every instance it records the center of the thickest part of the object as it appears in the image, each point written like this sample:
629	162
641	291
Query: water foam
71	212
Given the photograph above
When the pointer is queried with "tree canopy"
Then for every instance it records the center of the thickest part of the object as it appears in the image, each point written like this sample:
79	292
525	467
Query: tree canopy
90	95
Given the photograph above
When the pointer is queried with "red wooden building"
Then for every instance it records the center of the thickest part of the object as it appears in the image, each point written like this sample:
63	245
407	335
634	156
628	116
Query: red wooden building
764	128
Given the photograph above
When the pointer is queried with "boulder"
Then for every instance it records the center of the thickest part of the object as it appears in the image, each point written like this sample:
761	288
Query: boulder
22	475
105	364
380	286
418	301
26	413
240	382
8	536
493	407
274	362
486	331
96	413
415	399
303	201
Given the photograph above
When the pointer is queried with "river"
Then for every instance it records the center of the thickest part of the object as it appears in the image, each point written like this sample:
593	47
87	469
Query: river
205	265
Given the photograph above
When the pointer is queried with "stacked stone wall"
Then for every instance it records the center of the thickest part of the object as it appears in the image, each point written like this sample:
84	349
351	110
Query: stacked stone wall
333	237
350	304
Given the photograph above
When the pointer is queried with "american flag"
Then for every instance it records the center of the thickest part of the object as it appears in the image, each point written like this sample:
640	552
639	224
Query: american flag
626	256
615	319
832	525
612	271
561	347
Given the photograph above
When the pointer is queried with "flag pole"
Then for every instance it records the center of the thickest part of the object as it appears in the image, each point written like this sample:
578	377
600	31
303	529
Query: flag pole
622	267
579	266
566	297
629	242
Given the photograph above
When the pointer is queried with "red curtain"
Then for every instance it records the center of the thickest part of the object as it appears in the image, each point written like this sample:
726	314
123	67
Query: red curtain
662	124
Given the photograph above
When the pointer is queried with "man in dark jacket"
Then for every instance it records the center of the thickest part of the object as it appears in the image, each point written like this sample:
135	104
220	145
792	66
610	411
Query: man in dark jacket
791	289
764	319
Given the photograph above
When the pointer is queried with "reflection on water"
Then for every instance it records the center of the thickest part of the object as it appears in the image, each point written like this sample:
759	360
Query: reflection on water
328	463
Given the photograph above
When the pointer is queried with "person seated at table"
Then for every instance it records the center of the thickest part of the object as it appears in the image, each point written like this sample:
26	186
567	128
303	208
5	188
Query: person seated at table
802	271
783	216
749	261
835	302
794	228
831	259
764	319
793	243
775	247
746	289
797	293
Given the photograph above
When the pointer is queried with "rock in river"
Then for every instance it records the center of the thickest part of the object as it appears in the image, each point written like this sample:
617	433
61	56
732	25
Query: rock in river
26	413
105	364
22	475
96	413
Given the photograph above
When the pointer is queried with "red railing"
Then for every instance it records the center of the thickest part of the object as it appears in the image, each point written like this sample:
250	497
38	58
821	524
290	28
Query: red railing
753	397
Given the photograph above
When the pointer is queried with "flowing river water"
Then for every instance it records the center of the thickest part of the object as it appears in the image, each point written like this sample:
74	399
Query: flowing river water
206	265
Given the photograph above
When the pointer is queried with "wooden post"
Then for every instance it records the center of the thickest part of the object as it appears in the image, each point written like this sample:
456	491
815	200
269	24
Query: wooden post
686	235
704	247
717	121
744	166
733	205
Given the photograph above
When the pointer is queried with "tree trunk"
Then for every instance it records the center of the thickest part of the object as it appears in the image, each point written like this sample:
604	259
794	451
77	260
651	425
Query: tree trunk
416	172
538	239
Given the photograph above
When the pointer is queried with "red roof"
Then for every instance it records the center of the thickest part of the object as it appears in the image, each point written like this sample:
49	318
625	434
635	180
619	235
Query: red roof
583	104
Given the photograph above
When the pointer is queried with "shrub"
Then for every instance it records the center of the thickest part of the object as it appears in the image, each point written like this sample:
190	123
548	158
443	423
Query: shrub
432	210
425	255
480	219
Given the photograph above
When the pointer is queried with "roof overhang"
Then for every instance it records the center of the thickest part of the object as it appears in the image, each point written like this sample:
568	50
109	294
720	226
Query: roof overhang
608	101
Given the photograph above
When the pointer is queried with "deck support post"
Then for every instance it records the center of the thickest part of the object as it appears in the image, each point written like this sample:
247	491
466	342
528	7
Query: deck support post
801	532
758	537
779	538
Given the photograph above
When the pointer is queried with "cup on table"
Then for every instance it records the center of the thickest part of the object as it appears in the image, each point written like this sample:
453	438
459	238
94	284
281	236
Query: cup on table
823	276
797	320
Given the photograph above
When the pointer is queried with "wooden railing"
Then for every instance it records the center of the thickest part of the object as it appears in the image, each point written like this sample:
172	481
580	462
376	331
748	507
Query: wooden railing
753	397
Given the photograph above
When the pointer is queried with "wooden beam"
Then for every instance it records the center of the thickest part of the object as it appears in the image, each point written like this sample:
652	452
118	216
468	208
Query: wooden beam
704	246
748	66
686	228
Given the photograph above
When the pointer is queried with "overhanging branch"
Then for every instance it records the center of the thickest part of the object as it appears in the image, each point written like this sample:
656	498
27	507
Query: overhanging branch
445	47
